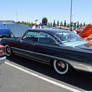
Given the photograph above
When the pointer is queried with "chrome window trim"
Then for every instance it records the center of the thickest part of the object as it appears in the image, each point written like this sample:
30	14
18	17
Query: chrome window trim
44	33
50	37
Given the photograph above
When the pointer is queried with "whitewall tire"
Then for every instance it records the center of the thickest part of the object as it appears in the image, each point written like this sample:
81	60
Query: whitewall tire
61	67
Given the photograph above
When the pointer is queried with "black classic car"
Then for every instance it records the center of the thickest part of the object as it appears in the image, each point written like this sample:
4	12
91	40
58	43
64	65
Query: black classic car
62	49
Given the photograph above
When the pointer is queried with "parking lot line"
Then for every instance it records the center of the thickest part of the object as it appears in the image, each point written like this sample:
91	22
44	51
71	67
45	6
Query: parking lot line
43	78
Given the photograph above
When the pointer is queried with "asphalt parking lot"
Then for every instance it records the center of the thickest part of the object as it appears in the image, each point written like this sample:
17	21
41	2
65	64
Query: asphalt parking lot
21	75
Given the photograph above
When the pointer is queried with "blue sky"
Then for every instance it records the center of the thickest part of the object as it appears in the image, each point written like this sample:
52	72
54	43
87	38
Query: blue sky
29	10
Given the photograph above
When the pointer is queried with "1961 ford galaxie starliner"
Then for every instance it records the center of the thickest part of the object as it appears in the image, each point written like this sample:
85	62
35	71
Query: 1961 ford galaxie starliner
62	49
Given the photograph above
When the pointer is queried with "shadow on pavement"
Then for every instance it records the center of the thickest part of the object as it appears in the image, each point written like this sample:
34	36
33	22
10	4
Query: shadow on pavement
81	80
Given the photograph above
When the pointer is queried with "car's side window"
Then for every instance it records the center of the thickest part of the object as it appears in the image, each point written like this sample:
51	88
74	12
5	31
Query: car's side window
33	36
46	39
40	37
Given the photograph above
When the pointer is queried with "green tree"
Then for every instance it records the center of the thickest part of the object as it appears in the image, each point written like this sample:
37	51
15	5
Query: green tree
18	22
57	23
68	25
54	23
77	24
84	24
80	24
61	23
65	23
71	24
44	21
25	23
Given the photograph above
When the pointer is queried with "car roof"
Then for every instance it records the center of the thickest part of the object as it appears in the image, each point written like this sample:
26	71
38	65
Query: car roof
52	31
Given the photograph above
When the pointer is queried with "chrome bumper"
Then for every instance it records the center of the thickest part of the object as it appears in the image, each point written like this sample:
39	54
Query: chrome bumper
2	59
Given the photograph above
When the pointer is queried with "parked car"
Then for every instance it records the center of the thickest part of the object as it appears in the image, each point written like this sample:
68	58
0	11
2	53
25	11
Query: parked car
2	54
62	49
4	31
86	33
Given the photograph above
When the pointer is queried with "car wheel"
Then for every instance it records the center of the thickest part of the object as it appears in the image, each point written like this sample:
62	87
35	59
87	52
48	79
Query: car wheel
8	51
61	67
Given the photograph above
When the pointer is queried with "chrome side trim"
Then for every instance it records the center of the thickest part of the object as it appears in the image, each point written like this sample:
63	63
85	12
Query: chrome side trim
39	53
75	64
2	58
32	58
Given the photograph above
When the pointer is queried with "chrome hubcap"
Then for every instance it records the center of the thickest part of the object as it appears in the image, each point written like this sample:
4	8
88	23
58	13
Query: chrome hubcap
61	67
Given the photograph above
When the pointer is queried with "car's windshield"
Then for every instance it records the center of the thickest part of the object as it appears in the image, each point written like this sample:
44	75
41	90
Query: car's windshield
68	37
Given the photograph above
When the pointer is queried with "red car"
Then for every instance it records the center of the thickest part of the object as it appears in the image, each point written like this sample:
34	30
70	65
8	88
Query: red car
2	53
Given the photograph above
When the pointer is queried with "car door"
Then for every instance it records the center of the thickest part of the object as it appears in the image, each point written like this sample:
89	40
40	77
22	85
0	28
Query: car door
45	47
26	44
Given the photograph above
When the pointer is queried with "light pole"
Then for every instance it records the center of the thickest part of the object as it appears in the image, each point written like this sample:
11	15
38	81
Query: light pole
71	16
